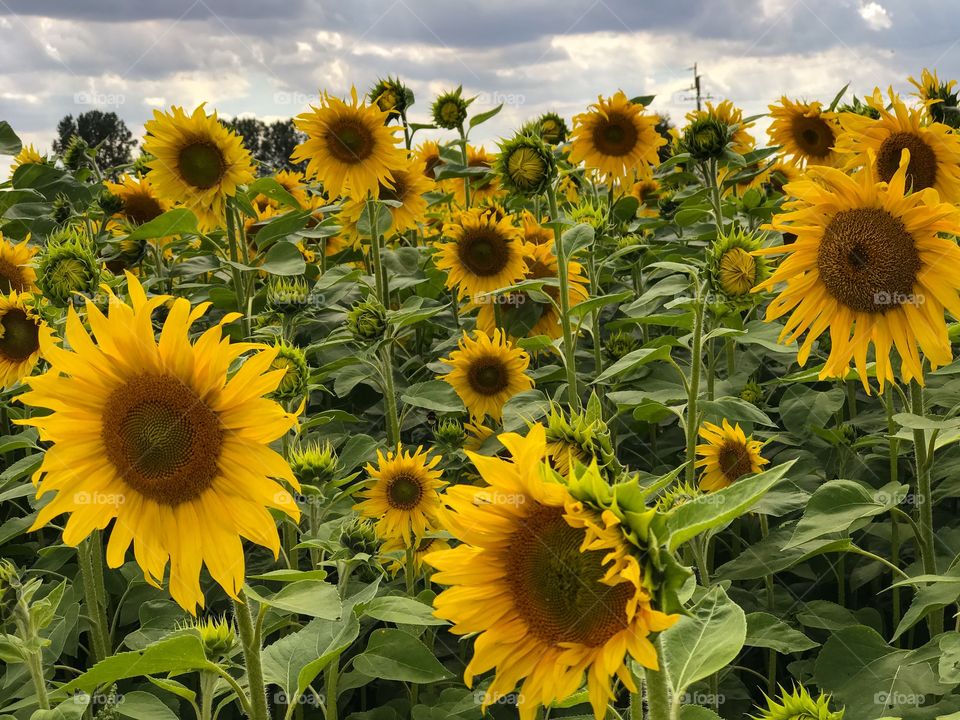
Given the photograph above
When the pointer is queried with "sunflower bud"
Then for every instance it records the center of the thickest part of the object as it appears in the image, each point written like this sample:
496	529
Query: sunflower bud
62	209
578	439
677	495
752	393
450	109
110	203
367	320
9	585
391	96
287	296
75	154
360	537
590	214
314	463
732	268
526	165
293	362
141	166
552	128
450	433
620	343
67	267
705	138
798	705
218	637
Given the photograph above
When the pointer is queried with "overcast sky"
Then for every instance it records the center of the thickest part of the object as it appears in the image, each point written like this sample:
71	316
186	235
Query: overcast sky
270	59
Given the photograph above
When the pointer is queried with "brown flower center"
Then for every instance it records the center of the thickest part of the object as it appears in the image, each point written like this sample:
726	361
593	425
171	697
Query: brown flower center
11	277
141	208
813	135
734	459
21	336
483	250
615	135
488	376
349	140
404	491
201	164
922	170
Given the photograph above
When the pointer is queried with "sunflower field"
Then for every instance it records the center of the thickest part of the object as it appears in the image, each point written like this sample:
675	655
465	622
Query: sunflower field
616	420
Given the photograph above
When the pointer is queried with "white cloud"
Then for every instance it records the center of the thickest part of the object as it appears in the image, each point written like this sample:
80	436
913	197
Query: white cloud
876	16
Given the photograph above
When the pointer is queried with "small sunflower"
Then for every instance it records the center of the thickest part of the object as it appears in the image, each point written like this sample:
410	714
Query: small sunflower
395	550
934	149
481	254
868	264
483	189
402	496
28	155
548	584
728	114
534	233
940	98
727	455
156	436
139	200
391	96
429	154
348	145
22	333
734	269
552	128
407	188
806	132
486	372
198	162
615	137
16	267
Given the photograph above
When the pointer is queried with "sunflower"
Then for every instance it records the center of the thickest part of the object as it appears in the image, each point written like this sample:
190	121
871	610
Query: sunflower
615	137
486	372
16	267
727	455
348	145
293	183
197	162
731	116
409	184
403	494
732	267
940	98
395	550
428	153
867	263
805	132
481	253
28	155
478	434
541	265
533	232
155	435
934	149
549	585
139	200
22	332
482	189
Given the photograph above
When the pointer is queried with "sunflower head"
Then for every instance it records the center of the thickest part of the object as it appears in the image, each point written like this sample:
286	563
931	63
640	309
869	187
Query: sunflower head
615	137
449	110
798	705
579	437
292	361
620	343
805	132
23	333
360	537
217	635
705	138
17	267
552	128
391	96
287	296
68	267
939	97
314	463
733	268
77	153
526	165
137	200
450	433
28	155
726	455
752	393
367	320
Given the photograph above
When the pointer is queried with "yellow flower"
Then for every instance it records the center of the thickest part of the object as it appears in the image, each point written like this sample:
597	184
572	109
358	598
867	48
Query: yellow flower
140	200
197	162
869	265
403	494
395	551
28	155
22	333
486	372
16	267
727	455
156	436
348	147
806	132
485	189
547	584
615	137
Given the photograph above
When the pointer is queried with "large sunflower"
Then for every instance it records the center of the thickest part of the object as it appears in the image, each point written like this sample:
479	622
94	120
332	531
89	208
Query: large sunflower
934	149
140	202
349	147
805	132
482	253
197	162
403	494
486	372
615	137
22	332
727	455
869	265
549	585
545	316
732	116
155	435
16	267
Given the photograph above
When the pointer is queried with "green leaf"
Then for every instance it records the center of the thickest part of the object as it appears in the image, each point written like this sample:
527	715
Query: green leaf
626	208
140	705
280	227
836	505
397	655
484	116
577	238
71	709
10	143
284	258
290	575
705	642
768	631
631	361
697	712
272	189
178	221
436	395
735	410
401	610
935	596
314	598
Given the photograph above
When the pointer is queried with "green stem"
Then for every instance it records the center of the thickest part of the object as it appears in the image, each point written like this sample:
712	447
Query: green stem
658	690
379	270
466	180
410	569
693	387
250	639
710	175
332	679
34	659
390	396
239	285
768	586
569	348
636	699
208	686
893	447
91	574
925	502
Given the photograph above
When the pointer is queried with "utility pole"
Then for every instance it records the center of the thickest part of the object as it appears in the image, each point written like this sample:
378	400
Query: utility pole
696	88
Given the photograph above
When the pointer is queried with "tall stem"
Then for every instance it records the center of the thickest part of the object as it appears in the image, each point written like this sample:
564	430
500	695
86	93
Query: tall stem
91	574
693	387
389	396
379	271
34	657
208	686
250	639
466	180
893	449
569	347
239	285
925	502
658	690
332	680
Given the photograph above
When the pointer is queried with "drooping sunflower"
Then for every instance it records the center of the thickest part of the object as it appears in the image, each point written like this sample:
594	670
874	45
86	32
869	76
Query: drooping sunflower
544	318
140	202
487	371
403	495
806	132
16	267
548	584
198	162
730	115
481	253
348	145
727	455
22	333
615	137
868	264
156	436
934	149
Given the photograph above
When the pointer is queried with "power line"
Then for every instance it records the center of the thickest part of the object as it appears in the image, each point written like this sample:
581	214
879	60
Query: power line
696	87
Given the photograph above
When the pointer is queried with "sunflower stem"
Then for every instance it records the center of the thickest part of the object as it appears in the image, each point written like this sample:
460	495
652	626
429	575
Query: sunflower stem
239	286
466	180
925	501
250	639
208	686
658	689
379	271
693	387
410	569
390	396
569	348
331	680
713	183
91	575
34	652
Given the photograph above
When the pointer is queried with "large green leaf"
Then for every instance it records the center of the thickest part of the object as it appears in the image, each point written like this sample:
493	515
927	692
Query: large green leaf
179	221
836	505
314	598
397	655
768	631
436	395
10	143
401	610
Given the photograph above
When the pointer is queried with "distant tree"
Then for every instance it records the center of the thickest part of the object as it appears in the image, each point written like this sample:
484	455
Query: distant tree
252	130
271	144
103	130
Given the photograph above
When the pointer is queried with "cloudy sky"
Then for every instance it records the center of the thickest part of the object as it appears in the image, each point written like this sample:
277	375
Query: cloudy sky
270	59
